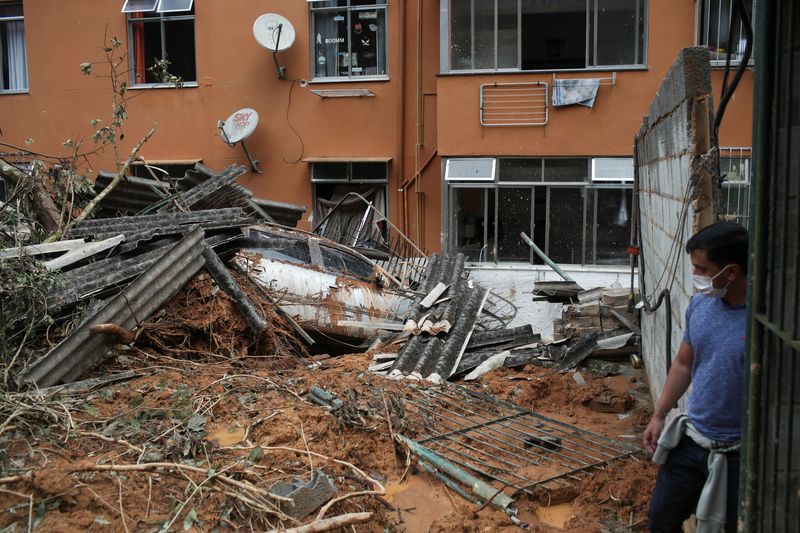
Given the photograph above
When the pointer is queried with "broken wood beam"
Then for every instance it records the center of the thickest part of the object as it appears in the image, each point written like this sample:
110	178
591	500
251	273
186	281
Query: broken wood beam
432	296
82	251
226	282
38	249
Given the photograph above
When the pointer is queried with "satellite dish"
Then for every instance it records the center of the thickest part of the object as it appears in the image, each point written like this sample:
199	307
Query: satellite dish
274	32
238	127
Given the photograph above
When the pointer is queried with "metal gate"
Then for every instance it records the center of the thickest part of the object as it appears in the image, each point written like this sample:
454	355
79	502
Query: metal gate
772	459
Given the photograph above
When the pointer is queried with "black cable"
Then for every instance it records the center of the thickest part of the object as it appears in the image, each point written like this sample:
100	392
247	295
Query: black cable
727	92
288	121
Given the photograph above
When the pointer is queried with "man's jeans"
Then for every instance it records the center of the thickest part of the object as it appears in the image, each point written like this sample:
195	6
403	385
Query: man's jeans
680	481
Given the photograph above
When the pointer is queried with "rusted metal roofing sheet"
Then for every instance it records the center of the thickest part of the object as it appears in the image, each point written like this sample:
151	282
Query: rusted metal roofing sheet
81	349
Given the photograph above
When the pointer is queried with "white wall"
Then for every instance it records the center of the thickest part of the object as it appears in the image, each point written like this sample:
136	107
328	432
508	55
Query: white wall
515	282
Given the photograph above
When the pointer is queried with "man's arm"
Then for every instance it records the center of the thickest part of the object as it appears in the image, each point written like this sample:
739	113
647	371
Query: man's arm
678	380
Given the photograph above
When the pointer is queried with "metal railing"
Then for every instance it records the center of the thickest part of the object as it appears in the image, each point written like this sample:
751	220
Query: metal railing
514	104
737	177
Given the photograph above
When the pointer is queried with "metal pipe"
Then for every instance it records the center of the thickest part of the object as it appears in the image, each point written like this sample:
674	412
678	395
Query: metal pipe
401	124
543	257
482	490
448	481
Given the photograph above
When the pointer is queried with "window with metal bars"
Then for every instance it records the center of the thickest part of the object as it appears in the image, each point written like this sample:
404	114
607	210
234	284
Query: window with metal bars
715	25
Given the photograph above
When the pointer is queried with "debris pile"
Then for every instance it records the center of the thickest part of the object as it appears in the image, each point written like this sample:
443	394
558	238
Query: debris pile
598	311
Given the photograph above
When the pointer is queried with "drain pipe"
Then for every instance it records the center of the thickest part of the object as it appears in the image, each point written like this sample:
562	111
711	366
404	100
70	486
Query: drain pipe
401	123
544	258
480	489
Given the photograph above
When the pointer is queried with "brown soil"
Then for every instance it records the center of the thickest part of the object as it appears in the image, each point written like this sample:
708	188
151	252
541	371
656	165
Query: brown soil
197	358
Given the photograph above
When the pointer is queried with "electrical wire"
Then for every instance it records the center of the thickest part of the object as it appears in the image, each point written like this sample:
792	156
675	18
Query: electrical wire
289	121
727	91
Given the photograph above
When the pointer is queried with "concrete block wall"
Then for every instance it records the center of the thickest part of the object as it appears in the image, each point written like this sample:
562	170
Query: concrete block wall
673	202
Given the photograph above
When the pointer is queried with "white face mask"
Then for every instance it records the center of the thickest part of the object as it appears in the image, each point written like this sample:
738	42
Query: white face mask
705	285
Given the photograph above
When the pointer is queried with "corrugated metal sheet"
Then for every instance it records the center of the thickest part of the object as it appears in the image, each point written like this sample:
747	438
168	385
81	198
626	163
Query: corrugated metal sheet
81	349
201	188
144	227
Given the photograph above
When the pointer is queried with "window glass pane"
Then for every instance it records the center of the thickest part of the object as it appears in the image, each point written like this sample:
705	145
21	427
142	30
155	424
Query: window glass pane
553	34
617	32
469	223
484	34
470	169
179	42
14	74
369	171
507	34
329	171
368	41
330	43
613	226
170	6
134	6
460	35
565	169
513	217
566	223
520	170
147	47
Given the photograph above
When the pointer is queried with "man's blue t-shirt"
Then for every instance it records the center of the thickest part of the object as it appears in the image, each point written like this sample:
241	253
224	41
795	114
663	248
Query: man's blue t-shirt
716	332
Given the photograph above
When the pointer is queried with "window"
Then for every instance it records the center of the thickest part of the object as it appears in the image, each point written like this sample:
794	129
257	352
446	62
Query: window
544	34
345	263
333	180
158	30
714	30
736	170
349	38
14	74
573	219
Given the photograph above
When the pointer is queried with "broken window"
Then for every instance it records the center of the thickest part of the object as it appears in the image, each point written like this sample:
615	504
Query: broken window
572	219
349	38
545	34
161	30
354	224
14	72
715	29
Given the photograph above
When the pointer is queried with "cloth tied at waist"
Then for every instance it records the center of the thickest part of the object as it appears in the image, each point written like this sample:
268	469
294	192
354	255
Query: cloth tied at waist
711	508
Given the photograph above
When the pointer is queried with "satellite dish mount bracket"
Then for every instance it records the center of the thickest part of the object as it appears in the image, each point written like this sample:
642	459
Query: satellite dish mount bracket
280	68
253	162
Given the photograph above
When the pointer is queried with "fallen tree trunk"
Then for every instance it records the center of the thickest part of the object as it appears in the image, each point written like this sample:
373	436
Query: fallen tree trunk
44	209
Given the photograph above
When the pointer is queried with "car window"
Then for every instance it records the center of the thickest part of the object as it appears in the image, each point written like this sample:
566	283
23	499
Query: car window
345	263
283	249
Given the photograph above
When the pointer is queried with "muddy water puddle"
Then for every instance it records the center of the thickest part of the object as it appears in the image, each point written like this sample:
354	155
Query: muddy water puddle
556	516
227	435
419	502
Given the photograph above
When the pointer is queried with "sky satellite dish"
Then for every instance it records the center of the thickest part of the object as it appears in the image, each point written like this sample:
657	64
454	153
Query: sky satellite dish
238	127
274	32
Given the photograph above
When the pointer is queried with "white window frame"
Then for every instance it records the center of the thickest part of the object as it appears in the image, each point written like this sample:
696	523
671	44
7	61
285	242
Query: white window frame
612	169
156	5
349	9
451	163
164	16
542	187
25	81
591	35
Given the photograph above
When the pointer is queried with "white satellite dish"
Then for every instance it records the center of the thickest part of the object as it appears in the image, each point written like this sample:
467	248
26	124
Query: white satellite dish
238	127
274	32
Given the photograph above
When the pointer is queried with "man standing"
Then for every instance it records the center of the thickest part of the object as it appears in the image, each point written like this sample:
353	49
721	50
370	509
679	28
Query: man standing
699	451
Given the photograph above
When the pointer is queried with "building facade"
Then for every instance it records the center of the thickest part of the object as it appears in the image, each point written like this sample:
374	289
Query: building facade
466	121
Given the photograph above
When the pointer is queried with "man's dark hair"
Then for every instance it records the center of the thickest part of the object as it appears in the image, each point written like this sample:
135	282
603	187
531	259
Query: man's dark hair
723	242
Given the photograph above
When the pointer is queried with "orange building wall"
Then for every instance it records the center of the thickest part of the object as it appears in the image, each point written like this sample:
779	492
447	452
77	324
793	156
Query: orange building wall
233	71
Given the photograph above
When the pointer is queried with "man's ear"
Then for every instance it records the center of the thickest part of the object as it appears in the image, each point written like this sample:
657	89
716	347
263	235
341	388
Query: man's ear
734	271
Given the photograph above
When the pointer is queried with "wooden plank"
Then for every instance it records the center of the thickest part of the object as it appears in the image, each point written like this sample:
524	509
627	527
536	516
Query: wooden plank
82	252
389	326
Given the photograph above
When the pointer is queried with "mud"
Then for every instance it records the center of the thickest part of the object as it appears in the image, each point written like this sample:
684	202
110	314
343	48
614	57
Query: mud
220	403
